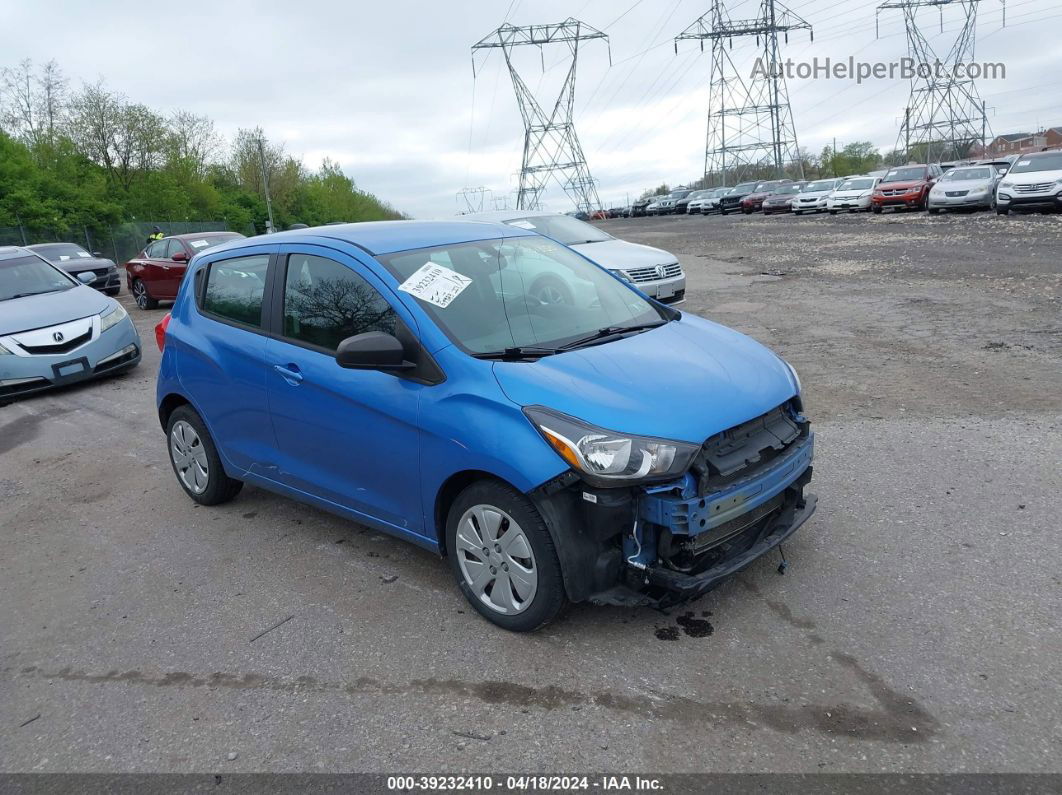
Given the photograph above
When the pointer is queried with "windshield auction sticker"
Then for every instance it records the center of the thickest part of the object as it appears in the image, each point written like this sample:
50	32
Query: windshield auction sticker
435	284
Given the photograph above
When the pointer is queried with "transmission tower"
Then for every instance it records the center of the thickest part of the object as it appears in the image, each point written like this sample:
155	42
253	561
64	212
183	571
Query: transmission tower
750	123
944	116
473	200
551	147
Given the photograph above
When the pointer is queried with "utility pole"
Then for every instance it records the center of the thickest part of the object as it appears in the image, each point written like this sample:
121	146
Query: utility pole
750	121
265	185
472	200
944	114
551	147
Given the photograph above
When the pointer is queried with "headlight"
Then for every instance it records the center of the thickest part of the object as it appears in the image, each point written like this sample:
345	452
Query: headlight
865	195
1006	184
607	458
796	377
111	318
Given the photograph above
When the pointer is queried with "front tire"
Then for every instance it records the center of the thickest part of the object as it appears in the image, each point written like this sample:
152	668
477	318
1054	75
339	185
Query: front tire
195	460
876	210
1000	210
503	557
141	296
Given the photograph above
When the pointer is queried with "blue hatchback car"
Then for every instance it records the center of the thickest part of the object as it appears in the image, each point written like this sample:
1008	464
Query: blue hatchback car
403	374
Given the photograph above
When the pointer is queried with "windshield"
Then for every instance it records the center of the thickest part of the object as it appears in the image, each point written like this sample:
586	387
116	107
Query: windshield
1051	161
700	194
521	292
957	174
203	243
31	275
826	184
905	174
569	231
786	190
61	252
857	184
679	194
745	187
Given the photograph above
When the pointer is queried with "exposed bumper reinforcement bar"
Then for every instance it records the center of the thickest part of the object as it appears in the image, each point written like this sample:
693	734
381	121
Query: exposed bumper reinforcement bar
682	587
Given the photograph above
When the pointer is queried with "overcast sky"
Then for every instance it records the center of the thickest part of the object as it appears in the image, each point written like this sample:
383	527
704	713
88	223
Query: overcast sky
386	89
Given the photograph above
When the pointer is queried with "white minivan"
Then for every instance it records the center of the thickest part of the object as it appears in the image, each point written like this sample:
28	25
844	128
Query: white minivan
1034	181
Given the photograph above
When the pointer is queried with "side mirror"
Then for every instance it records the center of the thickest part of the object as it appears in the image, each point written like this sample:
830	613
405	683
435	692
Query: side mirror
180	256
97	254
373	350
86	277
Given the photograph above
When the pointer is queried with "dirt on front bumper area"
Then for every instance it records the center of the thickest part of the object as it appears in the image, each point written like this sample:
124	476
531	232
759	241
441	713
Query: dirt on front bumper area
899	314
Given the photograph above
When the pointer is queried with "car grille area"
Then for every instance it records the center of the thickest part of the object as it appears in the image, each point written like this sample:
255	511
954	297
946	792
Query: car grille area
746	449
1041	187
60	347
652	273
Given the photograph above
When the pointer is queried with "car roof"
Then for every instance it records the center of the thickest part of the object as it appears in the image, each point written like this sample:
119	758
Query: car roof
201	235
389	237
42	246
10	252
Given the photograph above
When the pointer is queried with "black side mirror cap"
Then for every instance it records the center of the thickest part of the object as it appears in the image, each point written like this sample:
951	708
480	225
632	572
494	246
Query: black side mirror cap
373	350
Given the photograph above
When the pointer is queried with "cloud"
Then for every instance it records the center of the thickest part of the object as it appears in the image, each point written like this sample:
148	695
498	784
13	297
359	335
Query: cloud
387	89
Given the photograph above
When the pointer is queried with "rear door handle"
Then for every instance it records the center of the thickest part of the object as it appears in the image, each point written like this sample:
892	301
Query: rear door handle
289	373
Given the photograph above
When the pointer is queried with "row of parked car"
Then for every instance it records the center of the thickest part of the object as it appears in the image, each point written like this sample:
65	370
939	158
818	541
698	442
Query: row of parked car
1032	181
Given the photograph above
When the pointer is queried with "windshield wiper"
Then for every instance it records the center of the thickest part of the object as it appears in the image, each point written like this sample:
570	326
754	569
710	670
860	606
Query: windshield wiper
516	353
604	334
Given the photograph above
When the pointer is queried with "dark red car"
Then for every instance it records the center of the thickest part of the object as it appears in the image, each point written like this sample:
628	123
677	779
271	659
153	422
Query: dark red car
155	273
753	203
905	187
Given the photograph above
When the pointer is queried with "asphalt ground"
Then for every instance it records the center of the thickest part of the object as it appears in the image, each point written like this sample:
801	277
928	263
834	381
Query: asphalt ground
917	628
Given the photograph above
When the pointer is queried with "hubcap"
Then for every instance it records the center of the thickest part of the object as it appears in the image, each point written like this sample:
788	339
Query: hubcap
548	294
496	560
189	457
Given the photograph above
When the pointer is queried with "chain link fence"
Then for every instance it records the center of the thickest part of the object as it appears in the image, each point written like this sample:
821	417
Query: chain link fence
120	243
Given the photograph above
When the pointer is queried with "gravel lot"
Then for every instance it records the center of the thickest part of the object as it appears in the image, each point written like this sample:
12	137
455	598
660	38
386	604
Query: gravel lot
916	630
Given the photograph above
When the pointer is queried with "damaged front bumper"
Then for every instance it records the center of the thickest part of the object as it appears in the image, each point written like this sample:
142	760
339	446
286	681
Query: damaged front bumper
667	543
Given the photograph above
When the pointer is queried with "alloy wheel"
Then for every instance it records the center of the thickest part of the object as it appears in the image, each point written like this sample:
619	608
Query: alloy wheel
189	457
140	294
496	559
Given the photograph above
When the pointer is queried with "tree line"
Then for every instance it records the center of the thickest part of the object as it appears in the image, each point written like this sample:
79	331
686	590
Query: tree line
854	158
92	157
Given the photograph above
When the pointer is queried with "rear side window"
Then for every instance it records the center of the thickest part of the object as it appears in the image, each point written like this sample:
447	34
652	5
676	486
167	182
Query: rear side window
325	302
235	287
157	250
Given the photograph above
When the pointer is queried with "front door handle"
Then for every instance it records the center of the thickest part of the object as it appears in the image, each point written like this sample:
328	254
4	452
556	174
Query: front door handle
289	373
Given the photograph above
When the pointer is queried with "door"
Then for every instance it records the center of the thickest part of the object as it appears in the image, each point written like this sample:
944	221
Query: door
148	267
171	272
223	362
346	436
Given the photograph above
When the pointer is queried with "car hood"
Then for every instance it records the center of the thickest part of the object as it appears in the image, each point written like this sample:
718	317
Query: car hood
76	264
908	185
686	381
965	184
618	254
38	311
815	194
780	199
757	196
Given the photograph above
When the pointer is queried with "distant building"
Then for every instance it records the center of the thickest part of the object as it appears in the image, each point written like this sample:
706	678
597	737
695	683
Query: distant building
1019	143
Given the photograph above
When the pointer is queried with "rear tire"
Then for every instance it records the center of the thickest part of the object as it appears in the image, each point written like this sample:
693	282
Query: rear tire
195	460
876	210
517	582
113	291
141	296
